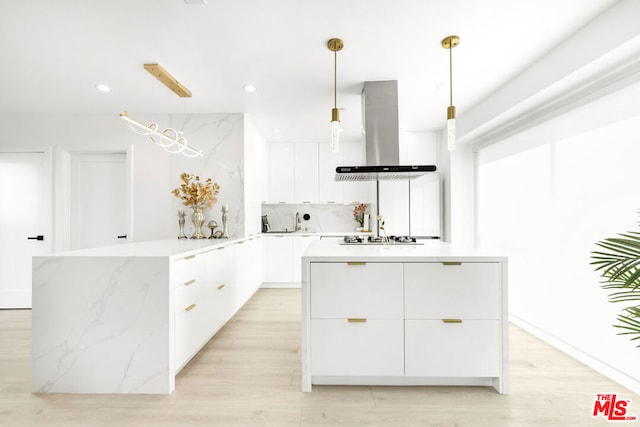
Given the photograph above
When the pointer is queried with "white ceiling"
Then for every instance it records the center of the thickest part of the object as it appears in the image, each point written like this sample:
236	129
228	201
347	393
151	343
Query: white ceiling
53	53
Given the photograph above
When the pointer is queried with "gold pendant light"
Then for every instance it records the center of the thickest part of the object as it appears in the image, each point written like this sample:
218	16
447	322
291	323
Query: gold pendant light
449	43
334	46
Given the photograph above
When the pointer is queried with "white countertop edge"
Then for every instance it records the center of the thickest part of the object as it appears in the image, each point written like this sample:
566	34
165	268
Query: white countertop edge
171	248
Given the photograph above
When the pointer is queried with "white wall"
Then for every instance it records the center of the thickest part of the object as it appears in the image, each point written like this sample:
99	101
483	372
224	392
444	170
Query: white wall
547	195
154	172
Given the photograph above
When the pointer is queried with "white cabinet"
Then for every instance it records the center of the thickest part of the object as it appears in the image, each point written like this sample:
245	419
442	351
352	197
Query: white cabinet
305	173
405	323
453	319
188	306
452	348
209	288
357	319
219	287
278	258
300	244
281	169
357	347
248	268
356	289
283	256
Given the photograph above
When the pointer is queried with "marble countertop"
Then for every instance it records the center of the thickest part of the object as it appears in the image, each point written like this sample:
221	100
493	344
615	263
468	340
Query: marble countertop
172	248
329	250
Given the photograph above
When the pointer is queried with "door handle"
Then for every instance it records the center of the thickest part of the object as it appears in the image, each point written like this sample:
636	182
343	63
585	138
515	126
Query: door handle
124	236
38	237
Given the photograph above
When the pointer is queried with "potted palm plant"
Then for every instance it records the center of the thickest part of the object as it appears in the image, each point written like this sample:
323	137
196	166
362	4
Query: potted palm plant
619	265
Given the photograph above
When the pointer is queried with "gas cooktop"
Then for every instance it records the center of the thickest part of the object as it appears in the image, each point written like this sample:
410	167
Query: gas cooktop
379	240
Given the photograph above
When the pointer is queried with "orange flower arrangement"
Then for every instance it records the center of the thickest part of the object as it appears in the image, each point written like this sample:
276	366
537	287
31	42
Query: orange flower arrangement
358	213
195	193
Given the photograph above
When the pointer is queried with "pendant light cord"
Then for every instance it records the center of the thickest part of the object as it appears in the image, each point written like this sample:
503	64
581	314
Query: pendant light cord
450	75
335	79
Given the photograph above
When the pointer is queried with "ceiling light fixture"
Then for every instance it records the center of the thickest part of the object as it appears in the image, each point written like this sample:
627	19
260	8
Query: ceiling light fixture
168	80
103	88
249	88
169	139
449	43
334	46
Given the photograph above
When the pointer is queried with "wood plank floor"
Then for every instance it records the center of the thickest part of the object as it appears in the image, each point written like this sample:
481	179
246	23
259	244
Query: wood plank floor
249	375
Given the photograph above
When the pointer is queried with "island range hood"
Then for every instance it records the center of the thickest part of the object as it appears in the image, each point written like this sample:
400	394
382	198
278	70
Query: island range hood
380	124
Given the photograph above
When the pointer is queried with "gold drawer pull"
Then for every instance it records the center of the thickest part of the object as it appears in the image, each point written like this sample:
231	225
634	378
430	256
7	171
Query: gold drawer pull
221	286
452	263
190	257
191	307
452	320
190	282
356	320
220	248
356	263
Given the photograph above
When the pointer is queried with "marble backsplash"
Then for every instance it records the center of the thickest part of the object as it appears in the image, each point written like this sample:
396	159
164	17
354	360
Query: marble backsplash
324	218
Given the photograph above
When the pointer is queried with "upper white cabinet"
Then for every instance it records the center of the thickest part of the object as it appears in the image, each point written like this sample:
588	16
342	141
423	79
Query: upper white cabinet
305	173
281	168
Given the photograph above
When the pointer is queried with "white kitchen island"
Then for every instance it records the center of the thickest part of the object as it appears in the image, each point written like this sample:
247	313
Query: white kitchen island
429	314
127	318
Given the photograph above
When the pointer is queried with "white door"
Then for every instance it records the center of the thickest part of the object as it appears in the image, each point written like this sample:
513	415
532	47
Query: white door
99	200
25	224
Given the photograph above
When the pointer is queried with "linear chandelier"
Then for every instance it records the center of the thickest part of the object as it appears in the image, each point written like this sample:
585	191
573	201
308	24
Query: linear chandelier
169	139
334	46
449	43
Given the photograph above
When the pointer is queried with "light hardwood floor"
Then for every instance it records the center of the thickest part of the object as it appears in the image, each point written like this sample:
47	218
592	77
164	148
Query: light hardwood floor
249	375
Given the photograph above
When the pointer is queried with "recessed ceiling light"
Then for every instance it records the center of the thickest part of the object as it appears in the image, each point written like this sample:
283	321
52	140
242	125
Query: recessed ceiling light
103	88
275	131
195	2
249	87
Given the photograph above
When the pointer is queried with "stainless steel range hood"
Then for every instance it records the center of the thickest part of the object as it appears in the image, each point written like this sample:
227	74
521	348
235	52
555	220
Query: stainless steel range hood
382	138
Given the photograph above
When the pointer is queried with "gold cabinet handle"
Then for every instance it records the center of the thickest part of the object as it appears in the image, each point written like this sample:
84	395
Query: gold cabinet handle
191	307
356	320
220	248
190	257
190	282
356	263
452	263
221	286
451	320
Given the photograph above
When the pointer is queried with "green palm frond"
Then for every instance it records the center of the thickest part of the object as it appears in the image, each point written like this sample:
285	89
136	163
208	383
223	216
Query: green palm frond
619	265
630	323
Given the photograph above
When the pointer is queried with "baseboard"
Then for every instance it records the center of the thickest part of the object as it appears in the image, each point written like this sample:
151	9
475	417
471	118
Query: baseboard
592	362
15	299
280	285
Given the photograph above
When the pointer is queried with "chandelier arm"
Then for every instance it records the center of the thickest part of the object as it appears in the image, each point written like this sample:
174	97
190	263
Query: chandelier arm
165	141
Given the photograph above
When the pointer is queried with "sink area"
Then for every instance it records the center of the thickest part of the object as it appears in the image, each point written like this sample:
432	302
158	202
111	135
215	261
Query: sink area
287	231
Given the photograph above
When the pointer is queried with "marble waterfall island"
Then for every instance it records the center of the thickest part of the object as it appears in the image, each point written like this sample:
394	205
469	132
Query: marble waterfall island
127	318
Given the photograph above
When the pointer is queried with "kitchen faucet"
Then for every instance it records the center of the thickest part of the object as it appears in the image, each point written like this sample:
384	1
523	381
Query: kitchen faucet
298	225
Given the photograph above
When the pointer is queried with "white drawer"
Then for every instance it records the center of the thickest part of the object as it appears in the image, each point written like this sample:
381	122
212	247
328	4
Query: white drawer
434	348
371	348
219	265
371	290
460	290
187	269
188	334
